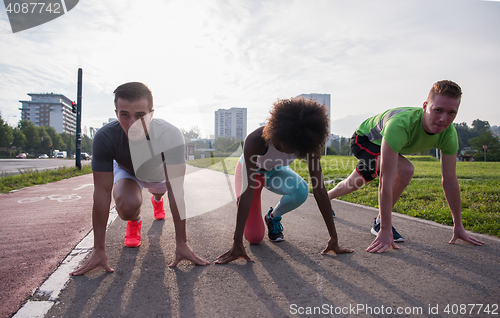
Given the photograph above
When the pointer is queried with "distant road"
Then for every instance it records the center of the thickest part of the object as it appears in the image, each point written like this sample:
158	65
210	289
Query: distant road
12	166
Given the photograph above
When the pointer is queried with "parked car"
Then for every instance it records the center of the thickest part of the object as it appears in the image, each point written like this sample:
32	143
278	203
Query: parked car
44	156
22	155
84	156
61	154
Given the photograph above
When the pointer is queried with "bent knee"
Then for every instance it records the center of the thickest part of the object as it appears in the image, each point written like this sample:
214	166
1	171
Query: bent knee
408	171
127	208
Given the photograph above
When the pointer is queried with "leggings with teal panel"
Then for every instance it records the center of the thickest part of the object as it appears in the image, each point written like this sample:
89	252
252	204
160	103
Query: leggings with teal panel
283	181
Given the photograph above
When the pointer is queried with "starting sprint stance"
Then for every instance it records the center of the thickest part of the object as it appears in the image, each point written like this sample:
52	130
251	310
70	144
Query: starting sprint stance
297	128
135	152
378	144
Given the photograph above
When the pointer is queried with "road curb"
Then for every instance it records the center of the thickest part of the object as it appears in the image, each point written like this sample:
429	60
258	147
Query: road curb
428	222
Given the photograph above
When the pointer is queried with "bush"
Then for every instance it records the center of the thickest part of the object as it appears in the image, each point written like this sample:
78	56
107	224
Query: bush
421	158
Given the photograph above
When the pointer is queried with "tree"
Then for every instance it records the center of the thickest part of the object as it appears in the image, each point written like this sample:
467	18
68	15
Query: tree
495	130
86	144
68	143
330	151
345	150
19	139
45	140
338	143
6	136
335	144
55	137
480	126
226	144
489	140
464	134
192	133
31	132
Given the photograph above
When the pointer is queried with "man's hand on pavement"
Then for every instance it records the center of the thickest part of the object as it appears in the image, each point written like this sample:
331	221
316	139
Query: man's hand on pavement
98	259
382	242
460	233
184	252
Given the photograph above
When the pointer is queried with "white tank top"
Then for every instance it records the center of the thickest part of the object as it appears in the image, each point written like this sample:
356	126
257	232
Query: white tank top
274	158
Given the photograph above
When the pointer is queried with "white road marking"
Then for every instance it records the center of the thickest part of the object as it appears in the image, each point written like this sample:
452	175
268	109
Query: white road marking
34	309
83	186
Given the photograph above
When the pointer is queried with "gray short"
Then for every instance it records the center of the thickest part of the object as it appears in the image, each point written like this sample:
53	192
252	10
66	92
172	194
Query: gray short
153	187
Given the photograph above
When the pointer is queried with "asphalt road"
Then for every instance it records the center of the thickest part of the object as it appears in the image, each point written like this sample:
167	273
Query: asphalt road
426	277
12	166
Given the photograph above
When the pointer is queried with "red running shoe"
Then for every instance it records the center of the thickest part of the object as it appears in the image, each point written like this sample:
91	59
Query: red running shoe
133	235
158	208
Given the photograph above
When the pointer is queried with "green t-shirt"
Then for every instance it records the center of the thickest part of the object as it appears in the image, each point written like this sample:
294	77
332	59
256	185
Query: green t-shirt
402	130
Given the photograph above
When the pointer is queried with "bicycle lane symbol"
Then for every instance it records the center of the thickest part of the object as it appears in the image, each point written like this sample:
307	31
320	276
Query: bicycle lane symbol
55	197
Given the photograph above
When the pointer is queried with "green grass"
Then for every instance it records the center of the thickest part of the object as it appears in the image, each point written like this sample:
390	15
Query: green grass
479	184
29	178
226	165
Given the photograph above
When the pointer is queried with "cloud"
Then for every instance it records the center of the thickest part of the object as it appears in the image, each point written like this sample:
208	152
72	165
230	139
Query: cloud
369	55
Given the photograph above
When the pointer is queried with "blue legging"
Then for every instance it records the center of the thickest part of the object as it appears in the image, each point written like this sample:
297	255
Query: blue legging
281	180
286	182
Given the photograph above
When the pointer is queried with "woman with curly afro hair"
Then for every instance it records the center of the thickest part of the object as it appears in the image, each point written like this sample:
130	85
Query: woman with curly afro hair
297	128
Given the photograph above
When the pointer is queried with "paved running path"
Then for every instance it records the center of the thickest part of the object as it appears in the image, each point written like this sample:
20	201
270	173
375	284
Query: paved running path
287	279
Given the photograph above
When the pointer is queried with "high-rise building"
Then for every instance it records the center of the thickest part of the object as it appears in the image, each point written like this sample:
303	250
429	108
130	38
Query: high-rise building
49	109
323	99
231	123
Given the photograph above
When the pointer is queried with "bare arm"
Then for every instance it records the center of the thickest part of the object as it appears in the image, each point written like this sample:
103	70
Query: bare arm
254	145
246	198
103	184
388	168
324	205
175	187
451	191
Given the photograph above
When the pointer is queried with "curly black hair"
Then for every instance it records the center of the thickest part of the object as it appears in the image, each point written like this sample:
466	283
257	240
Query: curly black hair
297	126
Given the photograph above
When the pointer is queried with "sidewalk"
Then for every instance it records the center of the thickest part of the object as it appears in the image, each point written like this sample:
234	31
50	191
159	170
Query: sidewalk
423	278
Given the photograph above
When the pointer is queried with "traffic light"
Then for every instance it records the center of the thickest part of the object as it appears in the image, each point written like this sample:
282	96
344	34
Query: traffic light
73	107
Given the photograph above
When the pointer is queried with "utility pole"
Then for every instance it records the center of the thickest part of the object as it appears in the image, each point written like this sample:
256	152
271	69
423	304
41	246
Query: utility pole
78	159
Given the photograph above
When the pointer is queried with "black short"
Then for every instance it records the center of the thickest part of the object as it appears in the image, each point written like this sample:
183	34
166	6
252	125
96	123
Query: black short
367	153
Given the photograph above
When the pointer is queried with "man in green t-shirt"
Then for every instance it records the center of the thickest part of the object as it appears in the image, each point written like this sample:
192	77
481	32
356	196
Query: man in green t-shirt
379	143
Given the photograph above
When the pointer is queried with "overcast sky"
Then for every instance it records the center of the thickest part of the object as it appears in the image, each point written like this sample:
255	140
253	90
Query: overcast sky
199	56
